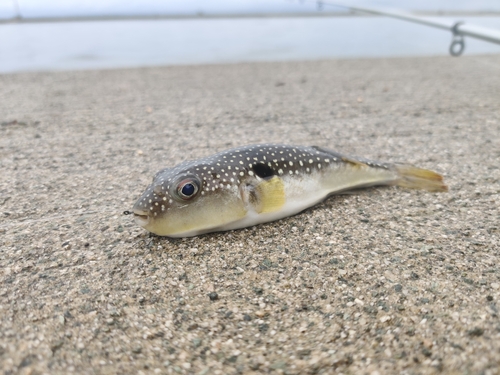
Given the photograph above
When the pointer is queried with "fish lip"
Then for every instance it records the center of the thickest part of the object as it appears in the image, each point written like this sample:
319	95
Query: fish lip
141	217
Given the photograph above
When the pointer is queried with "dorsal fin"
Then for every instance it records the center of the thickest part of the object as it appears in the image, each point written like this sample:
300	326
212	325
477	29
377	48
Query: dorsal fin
344	158
354	162
329	152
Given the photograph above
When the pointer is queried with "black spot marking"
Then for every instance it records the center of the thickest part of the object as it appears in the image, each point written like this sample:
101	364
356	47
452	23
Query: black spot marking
263	170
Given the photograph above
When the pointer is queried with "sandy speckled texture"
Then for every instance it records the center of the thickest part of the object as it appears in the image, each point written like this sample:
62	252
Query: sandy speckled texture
376	282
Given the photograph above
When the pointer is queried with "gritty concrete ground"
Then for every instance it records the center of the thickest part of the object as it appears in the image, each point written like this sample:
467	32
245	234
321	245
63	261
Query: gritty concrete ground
380	281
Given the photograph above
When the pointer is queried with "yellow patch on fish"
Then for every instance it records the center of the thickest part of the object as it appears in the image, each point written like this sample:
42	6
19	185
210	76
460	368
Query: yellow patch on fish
271	195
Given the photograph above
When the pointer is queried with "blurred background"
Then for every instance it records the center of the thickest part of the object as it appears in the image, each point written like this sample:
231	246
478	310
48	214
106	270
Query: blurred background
95	34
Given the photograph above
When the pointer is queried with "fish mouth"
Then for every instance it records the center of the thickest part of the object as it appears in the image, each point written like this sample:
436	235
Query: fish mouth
141	218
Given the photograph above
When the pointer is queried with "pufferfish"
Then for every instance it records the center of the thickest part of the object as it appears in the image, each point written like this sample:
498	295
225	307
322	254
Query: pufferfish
255	184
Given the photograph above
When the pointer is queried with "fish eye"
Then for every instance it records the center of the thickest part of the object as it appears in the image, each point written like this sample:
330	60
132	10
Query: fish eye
187	188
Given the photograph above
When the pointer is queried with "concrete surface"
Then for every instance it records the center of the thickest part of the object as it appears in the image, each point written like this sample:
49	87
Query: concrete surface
376	282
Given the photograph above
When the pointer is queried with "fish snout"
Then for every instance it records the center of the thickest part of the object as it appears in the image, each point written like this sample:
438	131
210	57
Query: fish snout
141	212
141	216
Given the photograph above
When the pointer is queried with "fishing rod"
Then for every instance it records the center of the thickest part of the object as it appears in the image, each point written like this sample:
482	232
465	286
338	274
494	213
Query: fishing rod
458	29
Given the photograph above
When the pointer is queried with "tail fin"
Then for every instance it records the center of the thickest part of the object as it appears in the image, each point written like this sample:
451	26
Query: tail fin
417	178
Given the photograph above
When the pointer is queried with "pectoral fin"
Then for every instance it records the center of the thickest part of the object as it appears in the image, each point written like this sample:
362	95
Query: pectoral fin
265	195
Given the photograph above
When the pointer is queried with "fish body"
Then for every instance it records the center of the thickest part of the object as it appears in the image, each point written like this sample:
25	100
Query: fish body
255	184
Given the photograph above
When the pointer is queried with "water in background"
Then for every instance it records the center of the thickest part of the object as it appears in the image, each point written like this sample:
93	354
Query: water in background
132	43
78	8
